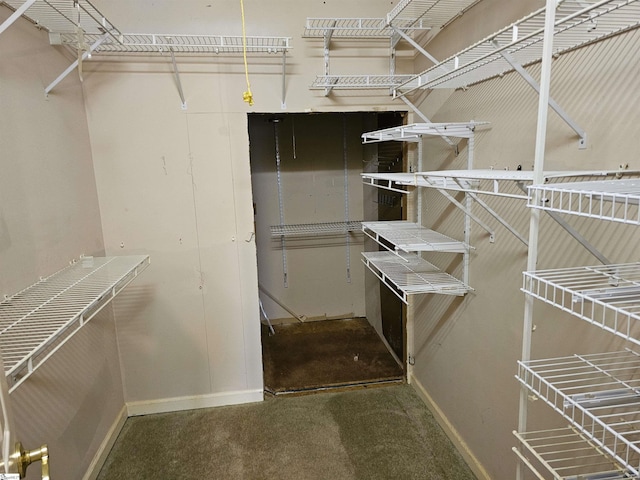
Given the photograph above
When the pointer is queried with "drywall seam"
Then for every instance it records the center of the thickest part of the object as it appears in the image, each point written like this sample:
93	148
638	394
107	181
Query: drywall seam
475	465
193	402
105	447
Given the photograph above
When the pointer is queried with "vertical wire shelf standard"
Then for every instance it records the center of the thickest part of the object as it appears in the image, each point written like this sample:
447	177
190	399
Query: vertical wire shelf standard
37	321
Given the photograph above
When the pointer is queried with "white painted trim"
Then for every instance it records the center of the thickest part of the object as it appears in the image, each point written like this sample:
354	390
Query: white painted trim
475	465
105	447
193	402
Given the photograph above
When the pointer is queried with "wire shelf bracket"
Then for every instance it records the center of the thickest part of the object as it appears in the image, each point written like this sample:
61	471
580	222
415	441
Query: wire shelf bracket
37	321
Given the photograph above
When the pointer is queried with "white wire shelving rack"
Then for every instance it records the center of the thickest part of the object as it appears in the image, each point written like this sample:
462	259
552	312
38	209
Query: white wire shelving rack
37	321
613	200
598	394
81	28
567	454
409	20
316	229
409	274
403	236
177	43
607	296
415	131
579	22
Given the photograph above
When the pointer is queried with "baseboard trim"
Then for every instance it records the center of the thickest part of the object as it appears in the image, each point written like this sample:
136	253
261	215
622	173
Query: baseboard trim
450	430
105	447
193	402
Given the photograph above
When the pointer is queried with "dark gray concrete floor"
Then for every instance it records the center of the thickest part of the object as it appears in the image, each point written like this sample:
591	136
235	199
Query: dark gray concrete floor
326	354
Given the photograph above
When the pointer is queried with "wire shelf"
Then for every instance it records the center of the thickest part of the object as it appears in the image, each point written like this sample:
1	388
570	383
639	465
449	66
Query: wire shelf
316	229
63	16
614	200
35	322
348	82
409	274
403	236
415	131
567	454
358	27
178	43
599	394
579	22
435	13
607	296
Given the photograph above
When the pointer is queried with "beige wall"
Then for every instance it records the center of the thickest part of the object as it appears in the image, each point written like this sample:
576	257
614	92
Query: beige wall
49	215
176	184
466	350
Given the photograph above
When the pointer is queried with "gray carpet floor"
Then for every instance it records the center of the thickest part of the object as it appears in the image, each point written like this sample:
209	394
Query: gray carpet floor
373	433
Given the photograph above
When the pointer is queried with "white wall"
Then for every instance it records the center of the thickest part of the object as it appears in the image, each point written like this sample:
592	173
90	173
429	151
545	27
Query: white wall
48	216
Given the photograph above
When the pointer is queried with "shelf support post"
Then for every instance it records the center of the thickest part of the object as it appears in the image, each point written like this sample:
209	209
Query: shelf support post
534	222
71	67
15	15
415	45
283	104
582	143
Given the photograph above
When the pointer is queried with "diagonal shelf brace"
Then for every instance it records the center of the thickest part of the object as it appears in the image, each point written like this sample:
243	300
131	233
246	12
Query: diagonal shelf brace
71	67
582	143
496	215
415	45
176	73
575	234
15	15
451	198
426	120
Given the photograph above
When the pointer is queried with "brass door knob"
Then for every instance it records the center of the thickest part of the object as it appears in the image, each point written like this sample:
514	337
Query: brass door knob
26	458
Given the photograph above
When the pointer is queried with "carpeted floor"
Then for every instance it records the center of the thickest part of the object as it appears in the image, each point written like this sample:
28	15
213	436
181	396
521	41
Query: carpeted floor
374	433
303	357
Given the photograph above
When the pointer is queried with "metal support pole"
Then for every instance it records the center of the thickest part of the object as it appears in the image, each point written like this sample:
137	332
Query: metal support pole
534	224
346	193
178	82
419	191
71	67
283	104
467	219
582	144
15	15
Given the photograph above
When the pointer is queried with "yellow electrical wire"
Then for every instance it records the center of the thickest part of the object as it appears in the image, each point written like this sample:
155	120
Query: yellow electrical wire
246	96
